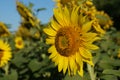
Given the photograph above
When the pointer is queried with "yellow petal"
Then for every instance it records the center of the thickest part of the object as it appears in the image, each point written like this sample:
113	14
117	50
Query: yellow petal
90	46
65	66
94	39
74	16
85	54
71	64
67	16
55	59
87	26
75	69
80	72
55	25
53	55
50	40
78	58
89	35
61	63
52	49
49	31
60	17
99	29
89	62
82	20
68	69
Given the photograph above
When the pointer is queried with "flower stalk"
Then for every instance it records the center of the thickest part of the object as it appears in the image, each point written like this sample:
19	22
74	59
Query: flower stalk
91	72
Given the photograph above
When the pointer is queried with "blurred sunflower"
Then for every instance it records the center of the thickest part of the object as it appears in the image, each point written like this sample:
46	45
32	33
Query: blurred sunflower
62	3
118	53
103	19
89	9
71	40
5	53
37	35
27	15
3	30
23	31
19	43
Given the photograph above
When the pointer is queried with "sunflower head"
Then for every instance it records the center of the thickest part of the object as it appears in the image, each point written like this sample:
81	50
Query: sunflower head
71	38
3	30
23	31
23	10
5	53
37	35
19	43
67	41
27	15
118	53
103	19
62	3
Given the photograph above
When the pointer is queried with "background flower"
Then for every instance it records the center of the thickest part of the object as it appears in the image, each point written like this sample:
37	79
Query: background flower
3	30
5	53
19	43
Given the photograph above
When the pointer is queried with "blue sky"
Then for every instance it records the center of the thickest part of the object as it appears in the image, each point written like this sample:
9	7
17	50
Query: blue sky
9	14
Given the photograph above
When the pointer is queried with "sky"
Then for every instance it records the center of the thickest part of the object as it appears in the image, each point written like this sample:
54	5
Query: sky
9	14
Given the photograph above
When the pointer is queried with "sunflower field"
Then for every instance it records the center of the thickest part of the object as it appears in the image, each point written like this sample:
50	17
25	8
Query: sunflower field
81	41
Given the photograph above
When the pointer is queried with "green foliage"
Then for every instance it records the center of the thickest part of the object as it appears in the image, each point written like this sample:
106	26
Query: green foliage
33	63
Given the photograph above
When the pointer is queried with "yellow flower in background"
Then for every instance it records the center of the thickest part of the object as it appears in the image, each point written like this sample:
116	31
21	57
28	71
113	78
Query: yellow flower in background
27	15
90	10
37	35
23	31
23	10
62	3
5	53
70	37
19	43
103	19
3	30
118	53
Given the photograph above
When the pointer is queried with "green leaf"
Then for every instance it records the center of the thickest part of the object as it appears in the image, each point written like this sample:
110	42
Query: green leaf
109	77
34	65
108	63
96	58
105	62
12	76
18	59
41	9
112	72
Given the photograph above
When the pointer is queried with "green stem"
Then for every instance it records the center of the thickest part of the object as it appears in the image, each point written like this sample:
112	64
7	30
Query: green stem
91	72
6	69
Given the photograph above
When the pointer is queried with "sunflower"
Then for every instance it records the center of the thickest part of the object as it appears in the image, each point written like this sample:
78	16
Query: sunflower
89	9
70	37
23	31
103	19
62	3
27	15
19	43
3	30
5	53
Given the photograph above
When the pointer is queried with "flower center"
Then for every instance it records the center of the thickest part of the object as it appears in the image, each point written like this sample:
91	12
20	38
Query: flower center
63	42
67	41
1	53
20	42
